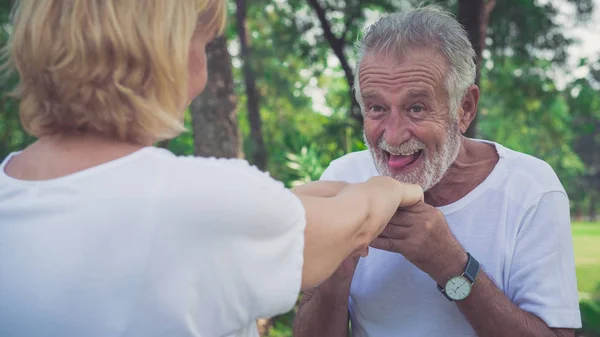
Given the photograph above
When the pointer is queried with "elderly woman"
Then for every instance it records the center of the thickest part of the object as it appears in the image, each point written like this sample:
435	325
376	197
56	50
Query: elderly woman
102	234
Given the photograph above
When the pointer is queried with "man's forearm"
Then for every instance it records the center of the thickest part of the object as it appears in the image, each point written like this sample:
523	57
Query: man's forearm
492	314
321	314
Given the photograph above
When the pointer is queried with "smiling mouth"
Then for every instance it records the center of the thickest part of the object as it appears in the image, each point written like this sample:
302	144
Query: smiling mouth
400	162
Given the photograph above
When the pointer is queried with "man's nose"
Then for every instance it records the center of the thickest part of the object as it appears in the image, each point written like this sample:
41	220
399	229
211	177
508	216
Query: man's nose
396	129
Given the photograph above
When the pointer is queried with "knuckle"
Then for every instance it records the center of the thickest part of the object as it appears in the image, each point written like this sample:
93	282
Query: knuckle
428	224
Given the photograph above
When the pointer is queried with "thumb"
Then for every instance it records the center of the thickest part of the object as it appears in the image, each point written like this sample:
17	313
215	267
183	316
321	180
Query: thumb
411	194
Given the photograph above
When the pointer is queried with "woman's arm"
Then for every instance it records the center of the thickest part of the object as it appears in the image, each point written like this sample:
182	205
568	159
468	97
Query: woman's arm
338	225
320	188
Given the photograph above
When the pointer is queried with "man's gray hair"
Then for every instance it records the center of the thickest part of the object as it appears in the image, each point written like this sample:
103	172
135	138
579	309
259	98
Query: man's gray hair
429	26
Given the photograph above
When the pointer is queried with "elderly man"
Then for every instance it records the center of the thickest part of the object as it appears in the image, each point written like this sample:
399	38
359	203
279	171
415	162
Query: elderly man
490	251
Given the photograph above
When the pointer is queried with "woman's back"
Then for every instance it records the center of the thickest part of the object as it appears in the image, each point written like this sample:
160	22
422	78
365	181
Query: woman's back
141	246
117	238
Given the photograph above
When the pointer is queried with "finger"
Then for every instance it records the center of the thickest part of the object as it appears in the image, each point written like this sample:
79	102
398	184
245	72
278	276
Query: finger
419	207
394	232
364	252
384	244
412	194
399	218
386	232
405	219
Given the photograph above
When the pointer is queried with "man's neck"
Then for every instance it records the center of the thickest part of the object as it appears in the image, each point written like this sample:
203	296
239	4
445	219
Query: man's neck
473	165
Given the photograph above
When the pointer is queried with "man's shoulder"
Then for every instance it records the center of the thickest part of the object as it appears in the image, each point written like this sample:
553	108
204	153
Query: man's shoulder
359	157
527	170
352	167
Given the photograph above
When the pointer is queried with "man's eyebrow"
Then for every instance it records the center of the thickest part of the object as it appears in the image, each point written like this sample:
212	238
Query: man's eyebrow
369	94
419	93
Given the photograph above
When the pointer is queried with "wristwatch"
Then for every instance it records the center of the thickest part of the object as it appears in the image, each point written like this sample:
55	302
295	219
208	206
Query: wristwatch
459	287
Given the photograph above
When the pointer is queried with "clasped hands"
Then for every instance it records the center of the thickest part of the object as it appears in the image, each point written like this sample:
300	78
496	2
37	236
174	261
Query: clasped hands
421	234
418	231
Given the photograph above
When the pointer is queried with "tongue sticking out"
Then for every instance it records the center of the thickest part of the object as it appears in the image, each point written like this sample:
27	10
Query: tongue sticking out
397	162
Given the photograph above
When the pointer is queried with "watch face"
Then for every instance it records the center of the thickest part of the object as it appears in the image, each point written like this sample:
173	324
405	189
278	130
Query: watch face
458	288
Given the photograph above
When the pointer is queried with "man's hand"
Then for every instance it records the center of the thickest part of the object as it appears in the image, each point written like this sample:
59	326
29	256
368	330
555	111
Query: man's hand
420	233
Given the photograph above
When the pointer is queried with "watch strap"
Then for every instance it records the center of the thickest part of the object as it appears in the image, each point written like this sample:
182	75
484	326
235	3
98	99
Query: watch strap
472	269
443	291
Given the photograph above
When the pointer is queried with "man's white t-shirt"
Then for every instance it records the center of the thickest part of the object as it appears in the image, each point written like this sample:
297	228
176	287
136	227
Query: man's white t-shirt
150	244
516	224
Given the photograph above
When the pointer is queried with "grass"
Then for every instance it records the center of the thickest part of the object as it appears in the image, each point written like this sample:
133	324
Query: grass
586	242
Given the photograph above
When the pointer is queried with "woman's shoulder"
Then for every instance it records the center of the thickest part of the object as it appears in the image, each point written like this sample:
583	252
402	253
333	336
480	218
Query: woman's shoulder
226	189
193	176
197	166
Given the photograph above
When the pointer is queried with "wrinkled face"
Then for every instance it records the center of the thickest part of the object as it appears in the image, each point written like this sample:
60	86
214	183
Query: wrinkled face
408	126
197	71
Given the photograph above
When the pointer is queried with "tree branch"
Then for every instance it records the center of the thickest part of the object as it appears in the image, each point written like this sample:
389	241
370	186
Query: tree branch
329	36
258	155
487	10
489	7
337	44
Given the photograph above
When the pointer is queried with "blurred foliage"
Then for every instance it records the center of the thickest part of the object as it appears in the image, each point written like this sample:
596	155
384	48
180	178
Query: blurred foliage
12	137
589	307
534	119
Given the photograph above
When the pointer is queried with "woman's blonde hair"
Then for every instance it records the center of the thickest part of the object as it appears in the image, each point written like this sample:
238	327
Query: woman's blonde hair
114	67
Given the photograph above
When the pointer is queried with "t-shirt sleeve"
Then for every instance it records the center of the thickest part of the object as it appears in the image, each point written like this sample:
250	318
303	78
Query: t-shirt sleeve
542	276
242	233
269	249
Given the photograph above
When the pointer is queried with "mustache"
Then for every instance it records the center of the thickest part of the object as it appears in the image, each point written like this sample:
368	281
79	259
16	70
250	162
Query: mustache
411	145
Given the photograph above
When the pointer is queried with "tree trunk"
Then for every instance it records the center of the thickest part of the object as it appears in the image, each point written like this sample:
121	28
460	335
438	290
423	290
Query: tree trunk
592	213
214	111
474	16
578	211
258	154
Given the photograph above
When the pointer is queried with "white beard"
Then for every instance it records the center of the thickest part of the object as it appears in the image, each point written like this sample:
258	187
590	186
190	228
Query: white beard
432	168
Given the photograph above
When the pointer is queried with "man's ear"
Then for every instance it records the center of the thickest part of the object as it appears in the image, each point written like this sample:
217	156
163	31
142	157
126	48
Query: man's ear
468	108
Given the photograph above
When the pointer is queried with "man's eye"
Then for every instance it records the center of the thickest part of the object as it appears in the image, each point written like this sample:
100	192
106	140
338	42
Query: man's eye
416	108
376	108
